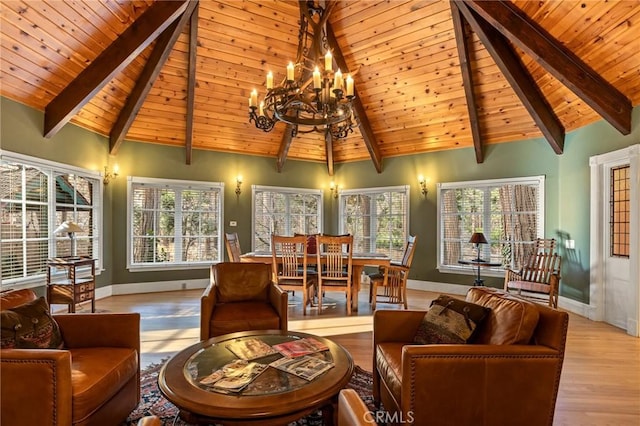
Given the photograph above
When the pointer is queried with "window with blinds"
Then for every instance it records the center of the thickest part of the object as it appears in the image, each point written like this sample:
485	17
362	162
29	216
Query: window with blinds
37	196
174	223
284	211
509	212
378	219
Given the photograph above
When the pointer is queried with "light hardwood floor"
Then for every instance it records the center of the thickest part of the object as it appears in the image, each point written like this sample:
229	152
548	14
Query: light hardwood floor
600	382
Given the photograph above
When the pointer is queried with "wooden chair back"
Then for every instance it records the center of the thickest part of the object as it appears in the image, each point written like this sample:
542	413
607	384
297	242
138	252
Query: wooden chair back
393	279
541	266
335	257
409	248
232	244
289	264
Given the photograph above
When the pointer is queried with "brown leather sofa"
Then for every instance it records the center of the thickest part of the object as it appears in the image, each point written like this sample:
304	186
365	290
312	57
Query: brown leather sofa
240	297
508	375
93	380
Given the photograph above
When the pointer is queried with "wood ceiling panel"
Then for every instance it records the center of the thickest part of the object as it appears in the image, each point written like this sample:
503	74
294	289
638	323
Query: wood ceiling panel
402	53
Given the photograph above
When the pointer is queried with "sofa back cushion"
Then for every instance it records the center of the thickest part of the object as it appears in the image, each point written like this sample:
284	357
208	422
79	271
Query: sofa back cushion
512	320
241	281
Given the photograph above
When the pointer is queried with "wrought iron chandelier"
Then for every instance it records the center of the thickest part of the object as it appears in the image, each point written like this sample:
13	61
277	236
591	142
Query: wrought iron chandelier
312	97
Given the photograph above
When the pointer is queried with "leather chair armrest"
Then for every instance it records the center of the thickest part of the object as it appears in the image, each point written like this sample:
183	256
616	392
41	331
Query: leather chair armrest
100	330
35	386
438	378
207	305
352	411
279	299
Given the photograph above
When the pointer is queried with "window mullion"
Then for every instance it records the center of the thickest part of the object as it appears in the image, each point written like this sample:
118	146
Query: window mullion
177	226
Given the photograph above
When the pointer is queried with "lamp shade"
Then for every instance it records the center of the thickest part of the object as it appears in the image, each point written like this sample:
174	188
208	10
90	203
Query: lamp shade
478	238
68	227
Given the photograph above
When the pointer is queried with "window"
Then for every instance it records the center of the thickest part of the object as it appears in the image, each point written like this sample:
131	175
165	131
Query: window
378	219
284	211
508	211
620	211
174	224
37	196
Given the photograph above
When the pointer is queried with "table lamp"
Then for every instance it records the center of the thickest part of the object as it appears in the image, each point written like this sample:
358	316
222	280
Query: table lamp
70	228
478	238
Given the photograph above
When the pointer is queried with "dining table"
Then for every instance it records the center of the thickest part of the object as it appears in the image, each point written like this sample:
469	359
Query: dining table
358	262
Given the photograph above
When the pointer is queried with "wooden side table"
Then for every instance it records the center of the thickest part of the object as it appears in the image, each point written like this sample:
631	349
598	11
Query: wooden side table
76	285
479	263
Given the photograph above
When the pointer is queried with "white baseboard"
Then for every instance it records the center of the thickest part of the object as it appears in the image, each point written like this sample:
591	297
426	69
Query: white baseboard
436	287
151	287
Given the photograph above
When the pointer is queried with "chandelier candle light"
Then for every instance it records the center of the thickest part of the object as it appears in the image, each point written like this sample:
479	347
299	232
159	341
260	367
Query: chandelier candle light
312	95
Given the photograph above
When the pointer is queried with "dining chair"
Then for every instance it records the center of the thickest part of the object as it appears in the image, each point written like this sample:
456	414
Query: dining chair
393	278
290	269
233	246
335	257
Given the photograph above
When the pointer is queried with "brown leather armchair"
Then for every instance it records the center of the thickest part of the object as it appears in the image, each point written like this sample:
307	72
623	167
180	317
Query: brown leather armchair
94	380
240	297
352	411
508	375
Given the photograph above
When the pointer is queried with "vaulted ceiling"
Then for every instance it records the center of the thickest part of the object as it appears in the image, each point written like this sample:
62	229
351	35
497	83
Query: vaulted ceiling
429	75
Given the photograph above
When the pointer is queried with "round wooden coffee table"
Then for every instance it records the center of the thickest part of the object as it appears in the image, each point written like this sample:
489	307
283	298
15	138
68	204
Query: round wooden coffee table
272	398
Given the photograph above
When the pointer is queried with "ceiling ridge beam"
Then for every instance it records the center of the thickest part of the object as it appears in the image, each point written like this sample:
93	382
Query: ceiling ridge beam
109	62
157	59
363	121
461	31
518	77
559	61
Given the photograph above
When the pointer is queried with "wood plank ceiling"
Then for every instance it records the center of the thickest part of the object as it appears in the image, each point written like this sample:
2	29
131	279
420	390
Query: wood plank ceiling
428	79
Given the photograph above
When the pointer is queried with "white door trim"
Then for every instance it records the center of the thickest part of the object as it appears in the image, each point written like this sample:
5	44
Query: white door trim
599	164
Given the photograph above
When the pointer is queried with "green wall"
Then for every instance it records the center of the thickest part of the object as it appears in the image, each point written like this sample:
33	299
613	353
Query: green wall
567	186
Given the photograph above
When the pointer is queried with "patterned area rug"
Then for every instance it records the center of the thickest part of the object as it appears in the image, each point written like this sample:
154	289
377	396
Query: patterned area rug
152	402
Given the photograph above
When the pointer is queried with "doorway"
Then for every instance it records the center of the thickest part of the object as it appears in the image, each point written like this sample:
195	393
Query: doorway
615	205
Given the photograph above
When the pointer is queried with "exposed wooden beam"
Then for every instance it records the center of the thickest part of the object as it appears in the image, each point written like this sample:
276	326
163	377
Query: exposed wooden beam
361	115
328	143
285	143
518	77
111	61
191	82
559	61
135	100
461	30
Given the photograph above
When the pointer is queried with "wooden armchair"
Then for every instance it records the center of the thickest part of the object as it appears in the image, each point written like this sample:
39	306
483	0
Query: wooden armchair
539	276
232	244
393	278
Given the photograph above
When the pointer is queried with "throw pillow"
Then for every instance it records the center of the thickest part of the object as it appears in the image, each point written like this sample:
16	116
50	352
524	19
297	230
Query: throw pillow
29	326
450	320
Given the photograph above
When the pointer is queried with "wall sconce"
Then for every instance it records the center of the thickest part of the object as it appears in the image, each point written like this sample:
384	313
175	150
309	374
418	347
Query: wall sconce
238	184
423	185
109	175
334	189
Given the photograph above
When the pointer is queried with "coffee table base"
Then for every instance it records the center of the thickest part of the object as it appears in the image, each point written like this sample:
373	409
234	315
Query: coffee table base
329	413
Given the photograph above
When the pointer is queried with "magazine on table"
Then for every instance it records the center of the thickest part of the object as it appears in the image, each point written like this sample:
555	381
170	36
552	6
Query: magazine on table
250	349
234	376
307	366
299	347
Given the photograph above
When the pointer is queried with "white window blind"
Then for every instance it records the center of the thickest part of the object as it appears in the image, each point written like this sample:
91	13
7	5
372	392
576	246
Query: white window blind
174	223
37	196
378	219
509	212
284	211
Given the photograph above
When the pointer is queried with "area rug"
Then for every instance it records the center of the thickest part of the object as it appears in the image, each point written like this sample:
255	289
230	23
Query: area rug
152	402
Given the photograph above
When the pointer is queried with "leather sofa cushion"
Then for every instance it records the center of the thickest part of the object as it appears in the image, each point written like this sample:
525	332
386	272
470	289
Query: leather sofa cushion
252	315
242	281
389	365
97	374
13	298
512	320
